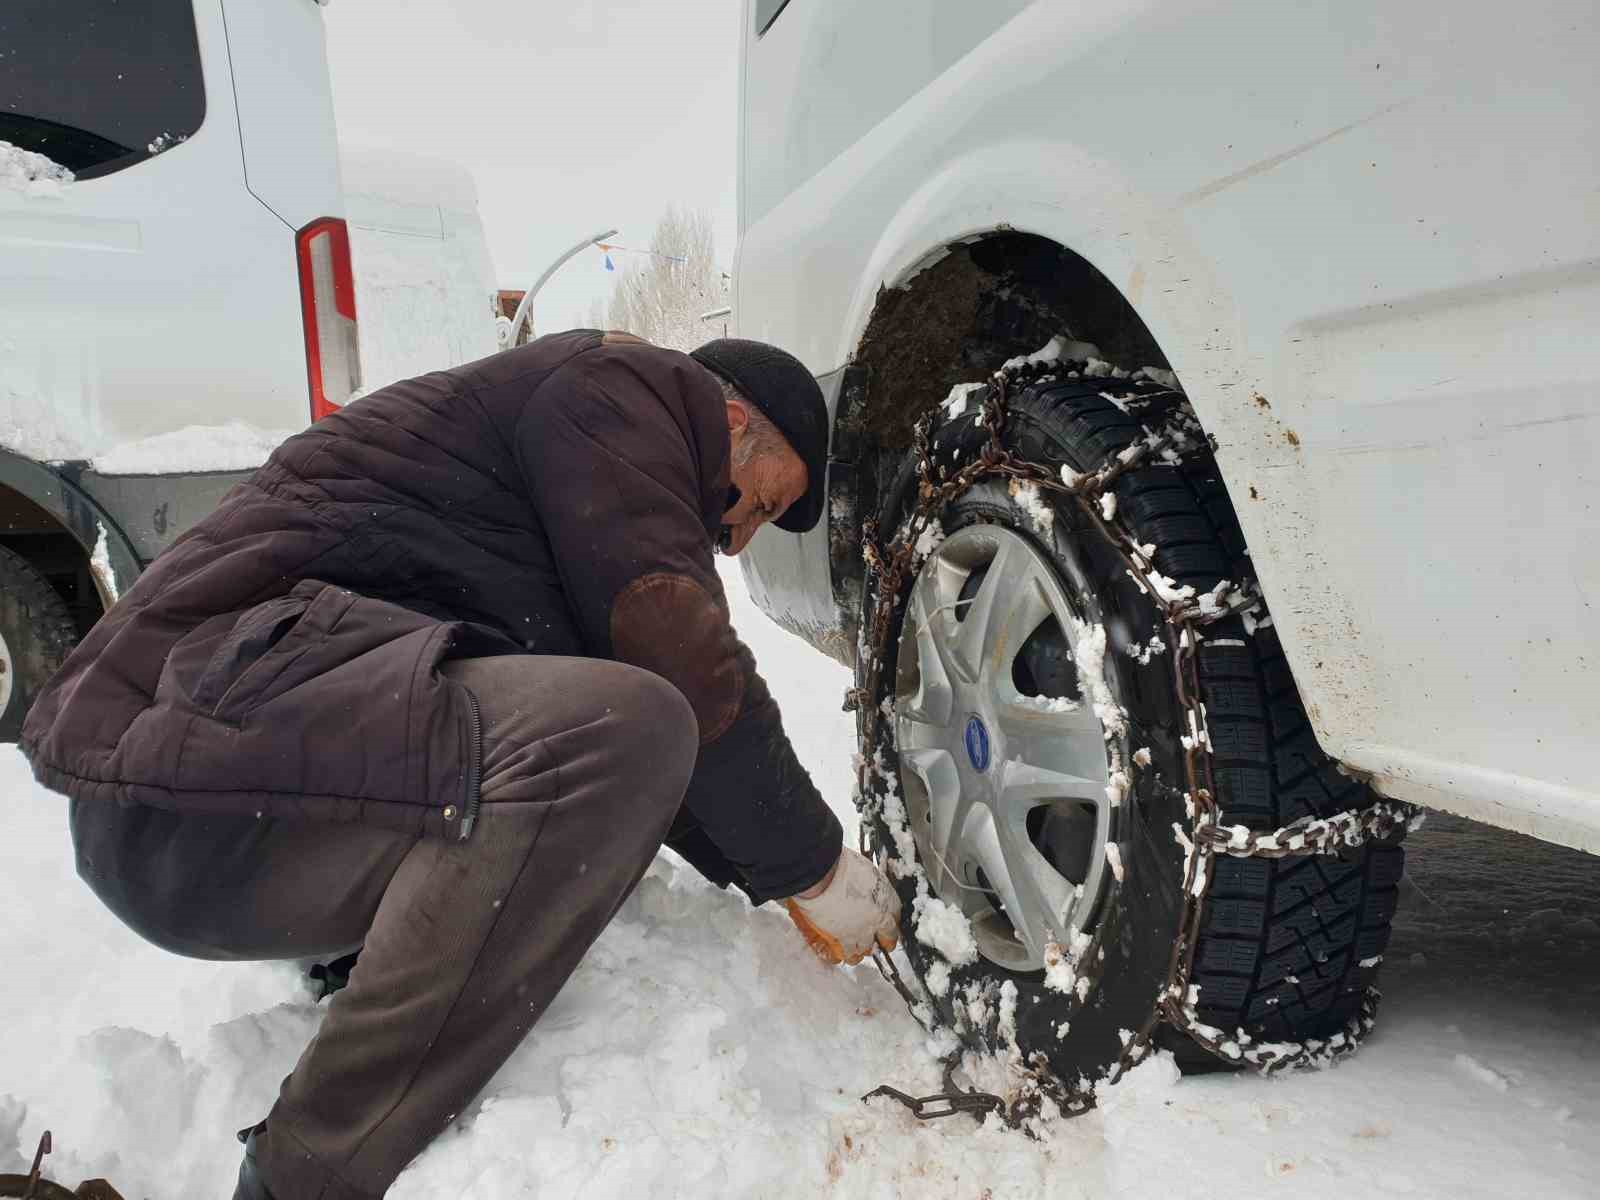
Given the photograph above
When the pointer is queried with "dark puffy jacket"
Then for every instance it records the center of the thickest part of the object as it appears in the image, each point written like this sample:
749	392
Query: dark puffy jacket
560	498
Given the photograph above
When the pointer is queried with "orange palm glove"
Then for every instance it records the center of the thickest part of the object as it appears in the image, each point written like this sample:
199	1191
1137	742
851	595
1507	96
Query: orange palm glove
857	910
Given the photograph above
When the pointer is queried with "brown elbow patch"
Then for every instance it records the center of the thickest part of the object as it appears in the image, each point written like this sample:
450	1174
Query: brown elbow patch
671	625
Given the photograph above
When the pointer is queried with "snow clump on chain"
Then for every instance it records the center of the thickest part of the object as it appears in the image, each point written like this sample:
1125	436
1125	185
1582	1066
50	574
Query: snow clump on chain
1062	963
944	928
1055	350
903	862
929	540
1026	493
1089	655
955	404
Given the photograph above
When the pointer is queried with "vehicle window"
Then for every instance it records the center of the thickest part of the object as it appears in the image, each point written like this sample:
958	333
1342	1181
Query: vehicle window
99	85
767	12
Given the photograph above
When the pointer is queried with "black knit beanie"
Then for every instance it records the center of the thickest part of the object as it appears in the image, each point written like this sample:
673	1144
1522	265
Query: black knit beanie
778	383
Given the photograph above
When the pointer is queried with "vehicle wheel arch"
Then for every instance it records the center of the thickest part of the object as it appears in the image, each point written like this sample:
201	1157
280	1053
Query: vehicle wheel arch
1070	285
898	371
108	555
1050	288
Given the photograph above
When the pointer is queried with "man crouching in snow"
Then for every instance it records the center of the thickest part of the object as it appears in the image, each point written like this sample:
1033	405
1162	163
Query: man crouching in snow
438	680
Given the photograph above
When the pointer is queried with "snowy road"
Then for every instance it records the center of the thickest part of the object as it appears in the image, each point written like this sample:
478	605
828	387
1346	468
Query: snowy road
700	1052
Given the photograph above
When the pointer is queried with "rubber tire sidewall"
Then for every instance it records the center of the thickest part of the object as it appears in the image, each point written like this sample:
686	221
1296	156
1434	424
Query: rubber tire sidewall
39	633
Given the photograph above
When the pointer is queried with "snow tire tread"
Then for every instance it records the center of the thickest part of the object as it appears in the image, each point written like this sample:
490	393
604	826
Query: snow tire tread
1284	941
39	632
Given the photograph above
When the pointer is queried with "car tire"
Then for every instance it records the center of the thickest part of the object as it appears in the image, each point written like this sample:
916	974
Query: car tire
1288	947
37	633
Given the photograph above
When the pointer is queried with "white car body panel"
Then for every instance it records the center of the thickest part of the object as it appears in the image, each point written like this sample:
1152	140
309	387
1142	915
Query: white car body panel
1367	237
158	297
167	295
280	86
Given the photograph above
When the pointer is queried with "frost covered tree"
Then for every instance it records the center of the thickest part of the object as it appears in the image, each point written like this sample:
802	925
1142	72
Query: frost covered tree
662	300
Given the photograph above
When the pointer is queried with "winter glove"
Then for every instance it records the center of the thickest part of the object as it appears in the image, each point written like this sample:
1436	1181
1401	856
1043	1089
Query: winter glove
855	911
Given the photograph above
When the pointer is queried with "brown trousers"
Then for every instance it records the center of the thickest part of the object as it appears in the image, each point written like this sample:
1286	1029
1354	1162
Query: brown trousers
464	943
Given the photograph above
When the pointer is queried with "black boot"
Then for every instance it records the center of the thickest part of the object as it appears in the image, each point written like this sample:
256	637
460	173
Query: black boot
250	1185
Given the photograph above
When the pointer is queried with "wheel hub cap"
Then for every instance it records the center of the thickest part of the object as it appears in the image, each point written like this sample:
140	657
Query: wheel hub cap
1005	791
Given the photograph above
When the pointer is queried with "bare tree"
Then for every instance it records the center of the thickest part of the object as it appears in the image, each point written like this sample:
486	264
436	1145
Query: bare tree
660	298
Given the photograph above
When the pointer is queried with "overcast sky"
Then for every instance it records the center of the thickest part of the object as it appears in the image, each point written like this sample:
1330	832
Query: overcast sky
573	115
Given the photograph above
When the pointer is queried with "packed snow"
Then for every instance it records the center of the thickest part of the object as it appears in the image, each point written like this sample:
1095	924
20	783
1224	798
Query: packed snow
1059	348
30	173
1032	502
234	446
1089	655
1161	375
100	562
1142	653
945	928
955	404
1114	858
30	425
929	540
700	1051
163	142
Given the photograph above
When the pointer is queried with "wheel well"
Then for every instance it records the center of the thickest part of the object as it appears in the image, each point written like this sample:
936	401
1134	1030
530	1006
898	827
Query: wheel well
35	535
981	302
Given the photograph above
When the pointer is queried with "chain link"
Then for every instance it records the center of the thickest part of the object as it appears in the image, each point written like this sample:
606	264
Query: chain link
1185	616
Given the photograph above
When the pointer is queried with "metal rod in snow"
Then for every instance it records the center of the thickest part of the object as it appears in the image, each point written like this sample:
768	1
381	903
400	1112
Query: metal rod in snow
527	299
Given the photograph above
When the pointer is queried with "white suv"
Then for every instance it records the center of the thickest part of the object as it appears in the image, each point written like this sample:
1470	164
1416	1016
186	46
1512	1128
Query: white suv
190	297
1358	242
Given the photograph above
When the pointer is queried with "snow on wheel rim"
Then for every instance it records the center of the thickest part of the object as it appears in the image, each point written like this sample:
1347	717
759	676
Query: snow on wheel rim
1006	794
8	671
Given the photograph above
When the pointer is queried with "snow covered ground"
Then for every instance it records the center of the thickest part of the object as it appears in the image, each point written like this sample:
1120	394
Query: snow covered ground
699	1051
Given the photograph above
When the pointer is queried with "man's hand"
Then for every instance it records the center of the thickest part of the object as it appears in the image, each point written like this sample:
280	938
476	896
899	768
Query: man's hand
854	909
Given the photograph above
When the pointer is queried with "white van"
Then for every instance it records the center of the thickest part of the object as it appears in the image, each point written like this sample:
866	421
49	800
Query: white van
202	287
1362	239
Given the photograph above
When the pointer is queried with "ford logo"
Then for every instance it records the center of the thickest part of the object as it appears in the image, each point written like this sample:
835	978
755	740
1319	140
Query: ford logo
978	744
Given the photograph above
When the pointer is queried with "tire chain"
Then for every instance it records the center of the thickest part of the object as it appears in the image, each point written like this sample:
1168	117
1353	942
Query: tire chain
1185	617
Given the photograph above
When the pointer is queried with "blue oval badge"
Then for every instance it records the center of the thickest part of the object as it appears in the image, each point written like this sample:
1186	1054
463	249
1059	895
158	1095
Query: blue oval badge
978	744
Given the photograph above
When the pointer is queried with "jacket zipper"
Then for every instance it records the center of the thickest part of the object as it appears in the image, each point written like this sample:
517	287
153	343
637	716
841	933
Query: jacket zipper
469	815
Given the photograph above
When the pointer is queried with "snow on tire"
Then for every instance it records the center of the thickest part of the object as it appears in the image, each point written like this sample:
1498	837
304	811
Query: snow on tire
1027	796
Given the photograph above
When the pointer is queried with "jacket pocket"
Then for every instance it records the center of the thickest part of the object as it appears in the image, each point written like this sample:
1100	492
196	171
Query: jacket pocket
256	632
301	652
271	638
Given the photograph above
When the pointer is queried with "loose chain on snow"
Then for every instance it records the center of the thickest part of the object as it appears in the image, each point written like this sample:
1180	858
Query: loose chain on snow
1185	615
956	1099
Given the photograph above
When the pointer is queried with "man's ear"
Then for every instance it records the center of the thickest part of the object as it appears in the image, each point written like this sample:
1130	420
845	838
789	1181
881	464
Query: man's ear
738	416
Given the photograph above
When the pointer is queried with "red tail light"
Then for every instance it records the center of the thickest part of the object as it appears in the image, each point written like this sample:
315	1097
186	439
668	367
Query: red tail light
328	306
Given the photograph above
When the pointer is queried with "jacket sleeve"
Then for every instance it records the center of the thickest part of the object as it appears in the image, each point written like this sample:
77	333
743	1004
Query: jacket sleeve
616	481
